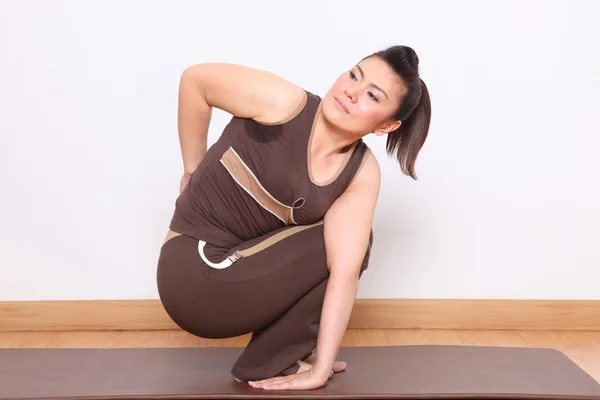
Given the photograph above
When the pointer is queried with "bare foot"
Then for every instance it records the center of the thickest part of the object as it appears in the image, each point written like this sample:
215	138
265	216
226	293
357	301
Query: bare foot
307	364
338	366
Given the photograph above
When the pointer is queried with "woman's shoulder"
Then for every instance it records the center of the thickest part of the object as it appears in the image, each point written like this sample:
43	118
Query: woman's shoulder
294	101
368	174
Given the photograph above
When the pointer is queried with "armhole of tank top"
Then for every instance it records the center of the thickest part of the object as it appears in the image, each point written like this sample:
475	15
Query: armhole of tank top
362	163
293	115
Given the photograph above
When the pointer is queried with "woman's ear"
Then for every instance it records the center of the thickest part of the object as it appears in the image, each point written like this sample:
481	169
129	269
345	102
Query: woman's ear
387	128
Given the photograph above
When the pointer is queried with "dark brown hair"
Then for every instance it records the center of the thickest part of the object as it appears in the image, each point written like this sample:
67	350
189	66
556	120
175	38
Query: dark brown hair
414	110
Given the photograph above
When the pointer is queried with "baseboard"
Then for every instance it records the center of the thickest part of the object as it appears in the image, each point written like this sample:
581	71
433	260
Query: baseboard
366	314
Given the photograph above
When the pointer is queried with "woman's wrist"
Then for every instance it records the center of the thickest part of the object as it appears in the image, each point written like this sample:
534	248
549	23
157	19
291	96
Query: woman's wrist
321	369
188	169
190	165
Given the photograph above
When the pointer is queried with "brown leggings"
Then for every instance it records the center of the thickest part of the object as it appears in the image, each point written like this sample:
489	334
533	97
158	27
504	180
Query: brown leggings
275	290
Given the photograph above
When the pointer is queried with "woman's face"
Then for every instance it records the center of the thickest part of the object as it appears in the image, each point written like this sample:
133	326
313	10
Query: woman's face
363	99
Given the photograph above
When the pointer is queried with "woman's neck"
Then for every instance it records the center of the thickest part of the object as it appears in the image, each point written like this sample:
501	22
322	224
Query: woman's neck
327	140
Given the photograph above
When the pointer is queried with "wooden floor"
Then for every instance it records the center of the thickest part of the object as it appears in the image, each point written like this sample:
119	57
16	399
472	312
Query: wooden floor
583	347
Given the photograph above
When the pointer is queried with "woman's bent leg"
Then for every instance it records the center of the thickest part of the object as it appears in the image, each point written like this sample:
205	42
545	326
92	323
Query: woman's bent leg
275	290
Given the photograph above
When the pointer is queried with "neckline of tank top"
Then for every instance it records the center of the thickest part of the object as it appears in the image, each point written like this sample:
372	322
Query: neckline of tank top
344	163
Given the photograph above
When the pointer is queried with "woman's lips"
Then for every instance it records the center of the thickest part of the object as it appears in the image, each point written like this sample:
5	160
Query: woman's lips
340	106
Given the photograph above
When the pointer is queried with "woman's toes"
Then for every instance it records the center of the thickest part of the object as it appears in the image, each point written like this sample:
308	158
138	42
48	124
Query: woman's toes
339	366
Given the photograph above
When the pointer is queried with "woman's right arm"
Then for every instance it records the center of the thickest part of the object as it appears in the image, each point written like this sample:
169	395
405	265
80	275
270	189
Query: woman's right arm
241	91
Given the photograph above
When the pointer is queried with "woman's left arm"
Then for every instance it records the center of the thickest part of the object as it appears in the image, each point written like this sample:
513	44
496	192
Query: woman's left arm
347	227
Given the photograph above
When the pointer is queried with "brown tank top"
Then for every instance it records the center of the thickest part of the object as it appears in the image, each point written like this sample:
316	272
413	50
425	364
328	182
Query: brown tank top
256	179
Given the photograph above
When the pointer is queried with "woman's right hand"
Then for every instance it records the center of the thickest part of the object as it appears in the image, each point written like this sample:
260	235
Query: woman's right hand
184	181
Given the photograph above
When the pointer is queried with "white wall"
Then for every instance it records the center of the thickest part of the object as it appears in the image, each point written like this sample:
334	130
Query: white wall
507	204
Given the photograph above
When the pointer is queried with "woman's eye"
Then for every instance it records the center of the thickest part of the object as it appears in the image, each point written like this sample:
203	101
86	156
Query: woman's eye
373	96
352	76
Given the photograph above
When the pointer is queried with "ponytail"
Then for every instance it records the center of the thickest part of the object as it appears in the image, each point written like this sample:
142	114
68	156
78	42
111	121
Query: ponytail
408	139
414	110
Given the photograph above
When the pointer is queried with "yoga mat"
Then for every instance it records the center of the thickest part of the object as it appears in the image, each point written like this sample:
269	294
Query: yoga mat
388	372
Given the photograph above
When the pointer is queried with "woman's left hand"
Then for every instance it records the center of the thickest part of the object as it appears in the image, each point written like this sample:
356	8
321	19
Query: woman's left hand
306	380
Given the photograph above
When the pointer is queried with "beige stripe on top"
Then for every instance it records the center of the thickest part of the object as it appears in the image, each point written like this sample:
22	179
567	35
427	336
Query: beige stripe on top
245	178
277	238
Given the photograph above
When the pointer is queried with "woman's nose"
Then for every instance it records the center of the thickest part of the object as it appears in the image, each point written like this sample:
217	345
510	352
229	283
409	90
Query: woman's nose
351	93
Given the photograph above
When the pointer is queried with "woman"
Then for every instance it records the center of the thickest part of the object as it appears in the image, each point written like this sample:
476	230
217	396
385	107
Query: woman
272	228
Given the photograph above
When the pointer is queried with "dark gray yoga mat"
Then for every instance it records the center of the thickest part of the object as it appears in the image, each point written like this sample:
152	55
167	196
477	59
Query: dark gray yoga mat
388	372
